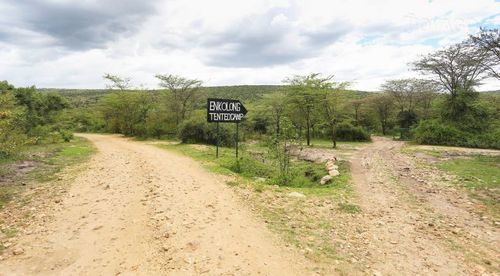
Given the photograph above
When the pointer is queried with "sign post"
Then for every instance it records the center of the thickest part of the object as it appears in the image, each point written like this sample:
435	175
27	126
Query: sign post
237	138
225	111
217	142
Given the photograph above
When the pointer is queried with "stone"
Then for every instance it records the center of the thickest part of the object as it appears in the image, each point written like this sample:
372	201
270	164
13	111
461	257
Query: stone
18	251
325	179
296	194
260	179
334	173
332	167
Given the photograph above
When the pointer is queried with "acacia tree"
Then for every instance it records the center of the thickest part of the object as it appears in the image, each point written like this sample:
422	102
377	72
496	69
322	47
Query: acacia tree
458	69
183	94
331	106
407	94
117	82
489	41
383	105
275	105
356	105
305	95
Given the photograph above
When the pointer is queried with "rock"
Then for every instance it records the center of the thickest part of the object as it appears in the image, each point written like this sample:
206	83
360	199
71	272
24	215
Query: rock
57	200
18	251
325	179
296	194
260	179
332	167
334	172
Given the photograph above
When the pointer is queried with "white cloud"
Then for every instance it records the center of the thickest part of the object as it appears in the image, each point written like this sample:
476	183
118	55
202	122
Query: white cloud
231	42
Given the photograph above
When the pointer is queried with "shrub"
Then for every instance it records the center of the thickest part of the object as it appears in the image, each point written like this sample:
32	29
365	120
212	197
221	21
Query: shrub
198	130
347	132
436	132
39	133
66	135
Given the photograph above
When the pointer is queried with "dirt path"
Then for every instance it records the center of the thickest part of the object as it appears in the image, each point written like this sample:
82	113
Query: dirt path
413	223
144	211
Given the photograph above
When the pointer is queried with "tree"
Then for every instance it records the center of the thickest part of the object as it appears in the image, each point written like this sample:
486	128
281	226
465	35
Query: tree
489	41
383	105
305	95
356	105
117	82
12	133
275	105
426	92
407	93
403	92
458	69
331	106
183	94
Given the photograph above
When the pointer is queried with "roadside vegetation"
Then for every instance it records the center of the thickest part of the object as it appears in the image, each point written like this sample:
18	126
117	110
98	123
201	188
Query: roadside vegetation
475	171
31	179
300	211
36	143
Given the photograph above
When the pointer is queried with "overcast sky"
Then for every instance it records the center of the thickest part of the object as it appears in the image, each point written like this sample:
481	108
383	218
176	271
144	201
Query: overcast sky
71	44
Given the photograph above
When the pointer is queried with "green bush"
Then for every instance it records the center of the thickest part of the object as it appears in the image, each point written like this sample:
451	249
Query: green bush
66	135
198	130
347	132
39	133
248	167
436	132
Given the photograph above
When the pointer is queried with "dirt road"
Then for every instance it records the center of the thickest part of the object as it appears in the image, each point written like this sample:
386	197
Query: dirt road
414	222
141	210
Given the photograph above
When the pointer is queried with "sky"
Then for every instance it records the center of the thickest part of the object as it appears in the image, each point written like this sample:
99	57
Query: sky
72	44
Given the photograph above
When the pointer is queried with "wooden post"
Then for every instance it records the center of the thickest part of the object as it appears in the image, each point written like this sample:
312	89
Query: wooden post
217	142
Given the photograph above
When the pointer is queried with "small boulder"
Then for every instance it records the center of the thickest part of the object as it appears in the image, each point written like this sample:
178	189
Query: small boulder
325	179
333	172
332	167
18	251
296	194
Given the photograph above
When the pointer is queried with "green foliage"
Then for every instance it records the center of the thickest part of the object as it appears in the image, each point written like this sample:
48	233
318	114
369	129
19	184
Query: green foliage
198	130
480	175
279	152
437	132
347	132
66	135
126	113
12	134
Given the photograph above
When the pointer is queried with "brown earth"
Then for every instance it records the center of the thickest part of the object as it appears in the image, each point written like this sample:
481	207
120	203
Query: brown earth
415	222
141	210
144	211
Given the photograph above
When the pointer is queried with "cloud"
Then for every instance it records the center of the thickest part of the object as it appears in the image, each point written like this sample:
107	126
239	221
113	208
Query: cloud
266	39
63	43
76	25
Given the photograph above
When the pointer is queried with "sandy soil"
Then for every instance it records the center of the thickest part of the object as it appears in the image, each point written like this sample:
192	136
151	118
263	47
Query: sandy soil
139	210
414	223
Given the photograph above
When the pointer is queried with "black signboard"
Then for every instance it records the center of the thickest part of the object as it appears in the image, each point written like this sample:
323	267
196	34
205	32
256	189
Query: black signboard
225	111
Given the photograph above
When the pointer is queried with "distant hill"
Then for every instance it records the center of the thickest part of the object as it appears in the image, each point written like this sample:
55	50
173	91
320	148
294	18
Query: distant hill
89	97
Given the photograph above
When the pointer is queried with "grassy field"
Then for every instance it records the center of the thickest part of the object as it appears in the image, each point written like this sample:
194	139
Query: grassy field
476	172
480	175
255	166
39	163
